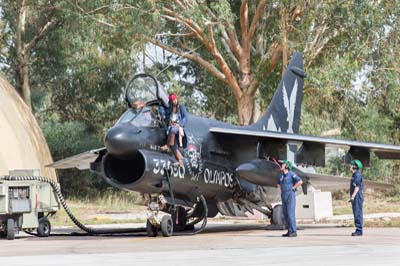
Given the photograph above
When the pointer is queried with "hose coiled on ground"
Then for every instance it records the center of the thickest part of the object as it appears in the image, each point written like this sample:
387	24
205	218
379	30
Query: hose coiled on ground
61	199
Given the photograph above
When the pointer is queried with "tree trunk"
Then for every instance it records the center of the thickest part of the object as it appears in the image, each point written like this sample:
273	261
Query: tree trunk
22	77
25	88
257	108
245	109
22	66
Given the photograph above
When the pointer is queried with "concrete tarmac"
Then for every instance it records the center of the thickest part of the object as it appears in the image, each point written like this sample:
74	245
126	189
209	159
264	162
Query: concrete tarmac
226	244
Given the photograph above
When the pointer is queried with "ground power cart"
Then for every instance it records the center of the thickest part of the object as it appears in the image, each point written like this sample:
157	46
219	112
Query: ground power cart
26	206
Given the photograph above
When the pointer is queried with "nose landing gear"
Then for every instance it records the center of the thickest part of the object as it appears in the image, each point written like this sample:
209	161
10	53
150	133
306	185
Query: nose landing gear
177	217
158	220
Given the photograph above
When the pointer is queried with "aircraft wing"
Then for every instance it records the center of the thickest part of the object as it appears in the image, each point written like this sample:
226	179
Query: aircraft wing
315	146
81	161
329	182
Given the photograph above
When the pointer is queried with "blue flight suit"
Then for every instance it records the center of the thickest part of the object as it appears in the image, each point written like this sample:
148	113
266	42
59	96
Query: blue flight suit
287	181
357	180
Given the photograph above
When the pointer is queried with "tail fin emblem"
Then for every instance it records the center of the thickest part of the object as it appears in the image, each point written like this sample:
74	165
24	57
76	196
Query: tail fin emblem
290	104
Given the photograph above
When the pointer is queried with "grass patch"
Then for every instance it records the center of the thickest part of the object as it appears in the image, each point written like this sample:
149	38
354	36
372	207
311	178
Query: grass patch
86	210
393	222
373	203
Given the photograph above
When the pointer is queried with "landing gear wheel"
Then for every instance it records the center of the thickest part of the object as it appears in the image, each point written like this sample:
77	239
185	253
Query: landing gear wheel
167	227
277	216
44	227
10	229
151	230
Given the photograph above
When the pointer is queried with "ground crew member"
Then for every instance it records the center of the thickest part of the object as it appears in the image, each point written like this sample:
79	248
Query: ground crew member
356	196
288	183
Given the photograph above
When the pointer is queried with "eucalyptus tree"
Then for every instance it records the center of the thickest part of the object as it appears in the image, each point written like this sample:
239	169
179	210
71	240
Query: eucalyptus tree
26	24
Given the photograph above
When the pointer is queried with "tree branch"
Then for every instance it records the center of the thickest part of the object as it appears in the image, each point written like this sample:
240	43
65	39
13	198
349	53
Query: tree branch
231	79
90	16
40	34
182	7
244	19
234	42
191	56
184	20
273	54
211	33
188	34
226	43
199	35
209	43
282	12
256	18
97	9
317	47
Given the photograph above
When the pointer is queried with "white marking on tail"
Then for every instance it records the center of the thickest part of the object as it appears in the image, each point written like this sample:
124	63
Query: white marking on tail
272	125
290	104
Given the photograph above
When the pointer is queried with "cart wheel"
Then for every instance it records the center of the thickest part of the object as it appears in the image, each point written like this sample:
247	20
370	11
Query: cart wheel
44	227
10	229
167	226
151	230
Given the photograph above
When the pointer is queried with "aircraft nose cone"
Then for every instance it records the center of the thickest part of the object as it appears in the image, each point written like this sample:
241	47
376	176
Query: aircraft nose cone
122	141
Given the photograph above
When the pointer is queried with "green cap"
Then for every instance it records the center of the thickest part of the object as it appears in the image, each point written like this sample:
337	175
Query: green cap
288	163
357	163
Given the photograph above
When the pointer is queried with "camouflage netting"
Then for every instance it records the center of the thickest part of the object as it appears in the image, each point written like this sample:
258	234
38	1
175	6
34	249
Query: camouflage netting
22	144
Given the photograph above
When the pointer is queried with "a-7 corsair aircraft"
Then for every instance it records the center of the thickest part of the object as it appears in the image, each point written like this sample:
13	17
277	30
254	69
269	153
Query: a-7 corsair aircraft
227	169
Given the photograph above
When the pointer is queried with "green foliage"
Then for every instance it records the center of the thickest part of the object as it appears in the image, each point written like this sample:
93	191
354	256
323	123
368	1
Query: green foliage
78	71
67	139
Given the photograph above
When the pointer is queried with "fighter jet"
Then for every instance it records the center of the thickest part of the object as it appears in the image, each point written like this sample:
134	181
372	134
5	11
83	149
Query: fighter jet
228	169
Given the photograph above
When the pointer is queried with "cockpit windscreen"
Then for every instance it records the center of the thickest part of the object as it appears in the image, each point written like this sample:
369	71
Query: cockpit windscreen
146	117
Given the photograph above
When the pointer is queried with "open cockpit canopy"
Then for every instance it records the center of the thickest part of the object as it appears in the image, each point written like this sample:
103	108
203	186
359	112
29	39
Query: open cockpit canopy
143	89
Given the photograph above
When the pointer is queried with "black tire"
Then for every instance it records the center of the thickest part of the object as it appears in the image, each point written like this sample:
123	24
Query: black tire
277	216
151	230
167	227
44	228
10	229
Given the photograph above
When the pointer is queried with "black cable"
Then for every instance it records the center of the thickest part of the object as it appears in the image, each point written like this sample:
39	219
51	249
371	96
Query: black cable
57	190
173	212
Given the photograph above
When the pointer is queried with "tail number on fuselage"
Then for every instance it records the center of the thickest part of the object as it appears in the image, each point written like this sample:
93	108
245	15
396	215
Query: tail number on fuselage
161	164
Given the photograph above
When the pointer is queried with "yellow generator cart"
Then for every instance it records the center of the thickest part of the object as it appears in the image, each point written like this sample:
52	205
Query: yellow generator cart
26	205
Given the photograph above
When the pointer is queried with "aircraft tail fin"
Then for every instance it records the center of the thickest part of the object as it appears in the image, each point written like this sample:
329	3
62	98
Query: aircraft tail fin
283	113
